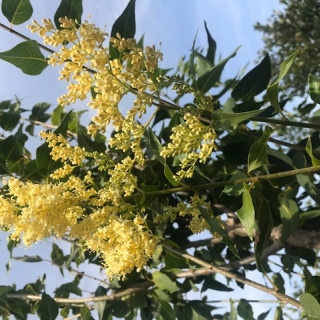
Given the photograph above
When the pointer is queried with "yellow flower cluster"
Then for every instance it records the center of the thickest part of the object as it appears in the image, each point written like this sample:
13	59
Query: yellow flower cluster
38	211
191	209
87	62
193	140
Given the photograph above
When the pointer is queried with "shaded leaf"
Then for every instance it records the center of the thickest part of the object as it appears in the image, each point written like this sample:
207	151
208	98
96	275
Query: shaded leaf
27	57
68	8
212	77
215	227
28	258
279	282
165	310
245	310
212	46
314	88
17	11
273	89
125	25
254	82
263	315
246	213
258	151
47	308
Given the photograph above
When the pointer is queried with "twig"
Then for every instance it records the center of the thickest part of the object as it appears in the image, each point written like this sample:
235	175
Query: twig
236	277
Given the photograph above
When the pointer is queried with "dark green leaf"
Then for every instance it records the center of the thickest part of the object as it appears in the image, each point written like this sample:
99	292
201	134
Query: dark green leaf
279	282
64	125
263	315
254	82
215	227
212	46
172	261
314	88
245	310
29	258
246	213
85	313
210	283
183	312
212	77
100	305
38	112
313	286
310	305
65	289
278	314
163	282
224	120
86	142
258	151
192	67
289	213
201	308
265	223
9	120
273	89
68	8
165	310
27	57
125	25
47	308
17	11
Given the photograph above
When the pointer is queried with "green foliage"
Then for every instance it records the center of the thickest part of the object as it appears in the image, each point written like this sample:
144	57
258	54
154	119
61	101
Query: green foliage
245	193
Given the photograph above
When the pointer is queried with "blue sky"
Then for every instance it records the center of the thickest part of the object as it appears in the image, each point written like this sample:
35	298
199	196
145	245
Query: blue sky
172	23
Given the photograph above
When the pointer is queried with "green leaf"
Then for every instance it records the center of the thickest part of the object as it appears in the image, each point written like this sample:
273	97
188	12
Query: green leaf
224	120
156	148
263	315
28	258
313	286
314	88
85	313
165	310
310	305
233	311
213	284
212	77
17	11
65	289
246	213
47	308
273	89
163	282
9	120
215	227
258	151
212	46
125	25
278	314
86	142
100	305
68	8
265	224
56	115
279	282
27	57
202	309
314	160
38	112
289	213
192	67
202	65
245	310
254	82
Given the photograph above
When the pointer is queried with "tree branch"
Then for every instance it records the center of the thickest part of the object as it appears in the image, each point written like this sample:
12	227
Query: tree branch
236	277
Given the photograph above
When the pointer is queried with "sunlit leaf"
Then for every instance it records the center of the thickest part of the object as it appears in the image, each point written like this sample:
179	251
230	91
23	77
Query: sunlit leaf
27	57
258	151
314	88
273	89
310	305
246	213
17	11
163	282
314	160
289	213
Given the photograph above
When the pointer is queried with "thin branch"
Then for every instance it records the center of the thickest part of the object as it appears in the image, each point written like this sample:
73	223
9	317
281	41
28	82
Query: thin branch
220	184
236	277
